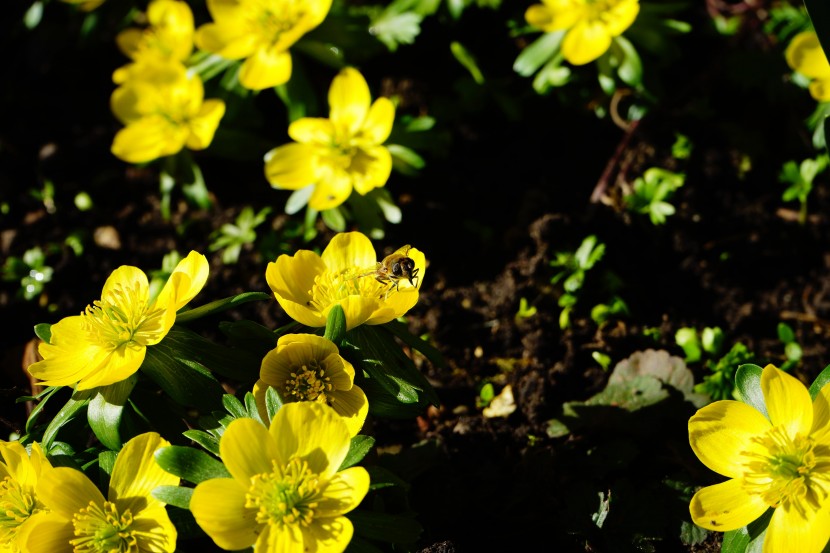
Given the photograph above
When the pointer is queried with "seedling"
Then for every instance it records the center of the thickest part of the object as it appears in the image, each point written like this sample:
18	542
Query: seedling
800	178
31	271
651	193
573	267
706	346
792	349
525	310
232	238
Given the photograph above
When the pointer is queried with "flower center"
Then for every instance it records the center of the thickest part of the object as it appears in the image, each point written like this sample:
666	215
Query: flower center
16	505
270	19
288	495
330	288
309	382
105	530
123	318
793	472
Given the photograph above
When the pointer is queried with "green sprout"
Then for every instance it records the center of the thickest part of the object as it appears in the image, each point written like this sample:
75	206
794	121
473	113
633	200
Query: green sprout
574	266
800	178
525	310
485	395
31	271
232	238
706	346
792	349
602	359
652	192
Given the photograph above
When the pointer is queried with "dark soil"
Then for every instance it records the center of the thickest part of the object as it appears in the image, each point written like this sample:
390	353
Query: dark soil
506	191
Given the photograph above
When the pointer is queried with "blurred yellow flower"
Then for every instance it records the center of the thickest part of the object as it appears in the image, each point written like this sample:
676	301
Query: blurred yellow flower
307	367
804	55
779	461
129	519
19	502
261	32
285	493
163	108
590	24
308	285
107	343
338	154
85	5
168	36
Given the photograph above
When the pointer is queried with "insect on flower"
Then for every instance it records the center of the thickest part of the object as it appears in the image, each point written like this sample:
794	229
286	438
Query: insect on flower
395	267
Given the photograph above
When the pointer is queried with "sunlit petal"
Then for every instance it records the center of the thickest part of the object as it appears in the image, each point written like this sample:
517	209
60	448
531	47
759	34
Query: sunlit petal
726	506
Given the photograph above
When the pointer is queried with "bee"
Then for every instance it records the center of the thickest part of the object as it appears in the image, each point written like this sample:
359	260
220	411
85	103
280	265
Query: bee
395	267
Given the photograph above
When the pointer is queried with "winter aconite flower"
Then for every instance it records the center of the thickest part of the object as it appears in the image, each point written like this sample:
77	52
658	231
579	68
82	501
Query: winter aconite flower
164	110
780	460
805	56
128	519
286	493
307	367
107	342
338	154
589	24
261	32
308	285
19	502
167	37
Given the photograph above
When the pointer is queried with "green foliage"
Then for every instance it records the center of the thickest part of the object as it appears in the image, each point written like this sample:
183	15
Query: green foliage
792	349
800	178
231	238
573	267
651	193
31	271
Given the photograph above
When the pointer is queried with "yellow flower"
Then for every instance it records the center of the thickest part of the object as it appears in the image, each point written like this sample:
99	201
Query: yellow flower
804	55
169	36
129	519
308	285
779	461
338	154
163	108
19	501
590	24
107	343
261	31
306	367
285	493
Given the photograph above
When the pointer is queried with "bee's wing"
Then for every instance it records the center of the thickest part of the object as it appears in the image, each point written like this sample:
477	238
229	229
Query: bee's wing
366	271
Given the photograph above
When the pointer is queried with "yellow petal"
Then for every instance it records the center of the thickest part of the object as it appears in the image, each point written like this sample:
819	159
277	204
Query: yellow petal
70	356
204	125
821	416
539	16
344	492
720	431
136	473
292	277
226	40
46	533
129	40
371	168
120	364
302	314
259	390
820	89
348	250
320	346
726	506
349	100
247	450
66	491
394	306
311	431
334	187
218	505
789	531
177	292
148	139
788	401
333	537
585	42
555	15
127	277
378	123
352	406
340	371
312	130
265	68
291	166
358	310
154	530
621	16
805	55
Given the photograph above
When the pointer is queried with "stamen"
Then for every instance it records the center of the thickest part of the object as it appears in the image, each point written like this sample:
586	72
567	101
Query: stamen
309	382
16	505
105	530
288	495
123	318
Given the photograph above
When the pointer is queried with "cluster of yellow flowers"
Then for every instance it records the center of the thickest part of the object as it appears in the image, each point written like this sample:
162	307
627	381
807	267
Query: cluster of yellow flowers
285	486
805	56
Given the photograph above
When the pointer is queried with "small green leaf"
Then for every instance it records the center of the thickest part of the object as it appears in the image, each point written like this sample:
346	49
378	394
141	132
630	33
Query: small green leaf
177	496
748	384
234	406
106	408
220	305
190	464
204	439
43	397
336	324
537	53
44	332
273	402
358	448
71	409
466	59
334	219
821	380
188	383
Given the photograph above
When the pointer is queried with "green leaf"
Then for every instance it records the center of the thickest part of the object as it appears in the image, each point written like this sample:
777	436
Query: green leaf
400	331
336	324
43	397
251	336
105	410
190	464
748	384
220	305
71	409
466	59
204	439
273	402
358	448
177	496
394	26
188	383
385	527
234	406
195	350
750	538
821	380
537	53
334	219
44	332
298	200
631	67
